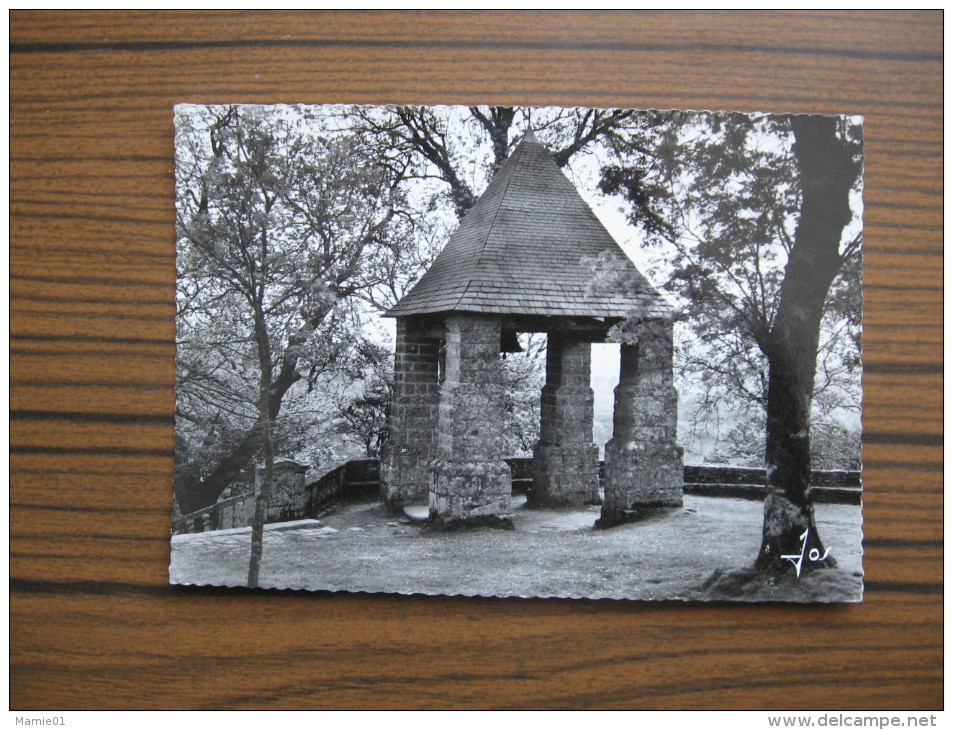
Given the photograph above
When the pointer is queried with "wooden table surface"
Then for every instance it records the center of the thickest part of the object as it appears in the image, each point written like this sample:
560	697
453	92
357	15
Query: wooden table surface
93	623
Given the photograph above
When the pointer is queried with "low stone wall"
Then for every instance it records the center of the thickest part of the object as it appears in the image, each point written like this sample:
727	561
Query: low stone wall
744	475
359	479
338	481
827	487
291	497
521	471
232	512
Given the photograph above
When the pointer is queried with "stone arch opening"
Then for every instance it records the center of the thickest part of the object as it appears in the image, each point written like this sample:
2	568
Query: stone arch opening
603	381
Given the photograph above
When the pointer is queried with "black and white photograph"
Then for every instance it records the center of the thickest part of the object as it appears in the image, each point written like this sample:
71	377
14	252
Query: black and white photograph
519	352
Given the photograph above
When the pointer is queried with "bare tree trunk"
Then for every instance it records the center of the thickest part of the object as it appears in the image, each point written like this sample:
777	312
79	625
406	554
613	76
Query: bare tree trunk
263	485
497	126
263	481
827	174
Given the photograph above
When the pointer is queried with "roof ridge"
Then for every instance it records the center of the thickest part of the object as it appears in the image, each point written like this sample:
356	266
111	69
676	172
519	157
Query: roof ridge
517	153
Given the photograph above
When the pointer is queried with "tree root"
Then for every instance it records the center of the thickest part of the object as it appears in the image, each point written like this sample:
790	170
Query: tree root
830	584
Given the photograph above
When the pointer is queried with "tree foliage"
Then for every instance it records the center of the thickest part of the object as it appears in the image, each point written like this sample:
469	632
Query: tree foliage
523	375
362	416
288	230
461	147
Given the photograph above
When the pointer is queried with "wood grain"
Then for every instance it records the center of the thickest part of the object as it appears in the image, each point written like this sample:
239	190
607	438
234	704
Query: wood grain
93	623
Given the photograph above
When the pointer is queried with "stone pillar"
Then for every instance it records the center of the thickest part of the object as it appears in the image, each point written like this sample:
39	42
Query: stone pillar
469	478
565	461
643	461
412	420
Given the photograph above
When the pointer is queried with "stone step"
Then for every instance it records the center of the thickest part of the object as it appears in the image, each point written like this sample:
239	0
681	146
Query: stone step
268	527
418	512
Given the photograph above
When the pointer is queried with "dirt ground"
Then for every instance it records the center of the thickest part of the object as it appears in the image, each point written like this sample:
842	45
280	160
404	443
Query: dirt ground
549	553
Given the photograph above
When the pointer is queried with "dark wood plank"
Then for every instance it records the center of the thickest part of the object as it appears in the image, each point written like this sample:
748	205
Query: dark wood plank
93	623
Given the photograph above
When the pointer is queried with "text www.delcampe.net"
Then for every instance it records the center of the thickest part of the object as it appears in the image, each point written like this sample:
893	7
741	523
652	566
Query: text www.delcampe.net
842	720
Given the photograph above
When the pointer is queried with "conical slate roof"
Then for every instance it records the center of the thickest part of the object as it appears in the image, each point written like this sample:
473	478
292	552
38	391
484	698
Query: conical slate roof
526	247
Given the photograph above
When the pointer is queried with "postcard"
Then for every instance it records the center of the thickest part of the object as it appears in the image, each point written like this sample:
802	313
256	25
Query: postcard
519	352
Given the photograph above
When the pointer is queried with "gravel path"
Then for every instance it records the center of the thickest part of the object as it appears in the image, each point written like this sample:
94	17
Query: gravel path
550	553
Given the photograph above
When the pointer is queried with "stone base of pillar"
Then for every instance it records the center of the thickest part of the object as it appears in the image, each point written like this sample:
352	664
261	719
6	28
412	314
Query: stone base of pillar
404	481
640	476
461	492
565	475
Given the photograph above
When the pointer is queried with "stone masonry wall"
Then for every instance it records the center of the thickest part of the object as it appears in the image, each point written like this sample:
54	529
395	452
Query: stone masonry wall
412	421
288	497
643	460
469	478
565	461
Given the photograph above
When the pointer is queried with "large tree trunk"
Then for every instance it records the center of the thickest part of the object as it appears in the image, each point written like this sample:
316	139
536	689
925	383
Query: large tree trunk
827	173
